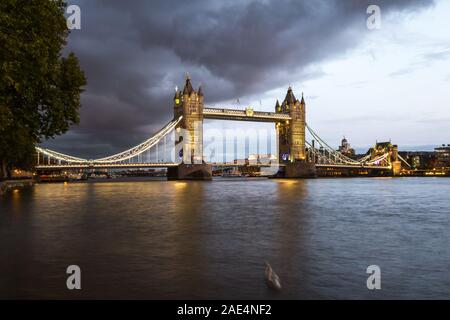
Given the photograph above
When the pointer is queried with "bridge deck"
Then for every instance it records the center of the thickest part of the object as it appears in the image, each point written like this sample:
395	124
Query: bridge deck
173	164
244	115
105	166
347	166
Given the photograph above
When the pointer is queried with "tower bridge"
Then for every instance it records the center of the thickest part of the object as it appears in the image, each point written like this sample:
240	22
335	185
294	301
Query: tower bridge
178	146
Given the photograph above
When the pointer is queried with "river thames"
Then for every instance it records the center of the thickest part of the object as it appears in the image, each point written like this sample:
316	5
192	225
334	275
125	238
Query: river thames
155	239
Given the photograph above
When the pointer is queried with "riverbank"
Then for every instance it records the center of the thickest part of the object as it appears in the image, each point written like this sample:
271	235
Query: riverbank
14	184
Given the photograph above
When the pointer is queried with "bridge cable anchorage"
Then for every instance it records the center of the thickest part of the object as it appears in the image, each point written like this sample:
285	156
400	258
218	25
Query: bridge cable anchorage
116	158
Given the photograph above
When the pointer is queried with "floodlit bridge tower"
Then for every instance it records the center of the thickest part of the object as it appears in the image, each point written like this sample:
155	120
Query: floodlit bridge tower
291	133
189	105
291	137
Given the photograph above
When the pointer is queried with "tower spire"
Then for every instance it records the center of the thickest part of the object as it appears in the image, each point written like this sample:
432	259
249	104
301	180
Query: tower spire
290	98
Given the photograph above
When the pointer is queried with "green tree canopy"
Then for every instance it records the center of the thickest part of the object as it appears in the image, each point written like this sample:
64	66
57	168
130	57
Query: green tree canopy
39	88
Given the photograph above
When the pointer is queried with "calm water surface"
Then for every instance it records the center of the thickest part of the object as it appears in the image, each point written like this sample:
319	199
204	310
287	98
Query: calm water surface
159	239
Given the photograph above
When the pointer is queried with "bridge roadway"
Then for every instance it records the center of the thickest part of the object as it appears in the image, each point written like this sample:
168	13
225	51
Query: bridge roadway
173	164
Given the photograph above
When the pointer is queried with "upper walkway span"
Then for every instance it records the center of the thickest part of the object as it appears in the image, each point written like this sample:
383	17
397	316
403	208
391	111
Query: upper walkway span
244	115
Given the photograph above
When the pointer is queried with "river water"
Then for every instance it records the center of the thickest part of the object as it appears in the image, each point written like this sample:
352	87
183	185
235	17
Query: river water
188	240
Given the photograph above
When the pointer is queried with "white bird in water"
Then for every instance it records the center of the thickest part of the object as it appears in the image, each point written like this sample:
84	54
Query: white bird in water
272	279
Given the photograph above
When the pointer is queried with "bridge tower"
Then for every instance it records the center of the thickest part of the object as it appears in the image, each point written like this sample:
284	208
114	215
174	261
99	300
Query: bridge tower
392	160
291	137
188	103
291	134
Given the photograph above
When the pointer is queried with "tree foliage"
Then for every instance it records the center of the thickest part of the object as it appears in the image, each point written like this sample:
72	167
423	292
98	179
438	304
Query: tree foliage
39	87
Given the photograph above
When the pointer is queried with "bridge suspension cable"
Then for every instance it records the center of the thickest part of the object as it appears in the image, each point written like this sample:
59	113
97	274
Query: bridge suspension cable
144	146
327	155
404	161
138	150
59	156
338	157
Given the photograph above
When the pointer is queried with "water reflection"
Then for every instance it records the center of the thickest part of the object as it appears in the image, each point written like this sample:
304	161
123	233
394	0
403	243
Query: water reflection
158	239
289	233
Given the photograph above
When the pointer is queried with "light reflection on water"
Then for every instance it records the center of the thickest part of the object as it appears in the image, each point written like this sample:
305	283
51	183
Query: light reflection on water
159	239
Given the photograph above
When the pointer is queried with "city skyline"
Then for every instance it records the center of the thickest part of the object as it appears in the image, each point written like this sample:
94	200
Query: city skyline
361	90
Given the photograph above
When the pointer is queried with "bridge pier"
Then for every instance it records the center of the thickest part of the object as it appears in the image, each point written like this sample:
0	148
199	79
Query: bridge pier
299	169
199	171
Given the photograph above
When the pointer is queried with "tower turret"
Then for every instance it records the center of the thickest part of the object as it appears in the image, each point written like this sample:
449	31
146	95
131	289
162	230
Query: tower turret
277	107
200	95
177	103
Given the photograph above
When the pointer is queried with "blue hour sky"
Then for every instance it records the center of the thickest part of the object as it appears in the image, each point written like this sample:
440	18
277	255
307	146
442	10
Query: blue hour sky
388	83
395	84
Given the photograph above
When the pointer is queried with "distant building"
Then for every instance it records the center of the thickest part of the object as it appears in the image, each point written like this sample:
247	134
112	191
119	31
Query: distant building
443	157
423	160
345	148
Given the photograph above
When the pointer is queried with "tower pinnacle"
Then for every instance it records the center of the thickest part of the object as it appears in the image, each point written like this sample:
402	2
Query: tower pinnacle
290	98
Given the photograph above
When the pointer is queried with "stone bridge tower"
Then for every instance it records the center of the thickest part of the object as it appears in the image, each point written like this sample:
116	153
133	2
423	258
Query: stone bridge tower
189	135
291	137
189	104
291	134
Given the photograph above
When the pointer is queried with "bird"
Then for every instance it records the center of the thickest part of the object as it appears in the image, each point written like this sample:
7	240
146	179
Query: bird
272	279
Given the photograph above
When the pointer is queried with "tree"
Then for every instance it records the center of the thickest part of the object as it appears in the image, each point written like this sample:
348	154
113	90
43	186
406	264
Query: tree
39	87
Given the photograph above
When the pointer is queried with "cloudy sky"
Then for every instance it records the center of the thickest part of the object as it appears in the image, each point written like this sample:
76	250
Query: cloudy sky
387	83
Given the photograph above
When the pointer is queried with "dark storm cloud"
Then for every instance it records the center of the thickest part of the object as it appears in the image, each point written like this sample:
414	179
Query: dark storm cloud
135	52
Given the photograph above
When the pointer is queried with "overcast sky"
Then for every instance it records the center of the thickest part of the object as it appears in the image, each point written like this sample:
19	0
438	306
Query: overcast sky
390	83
